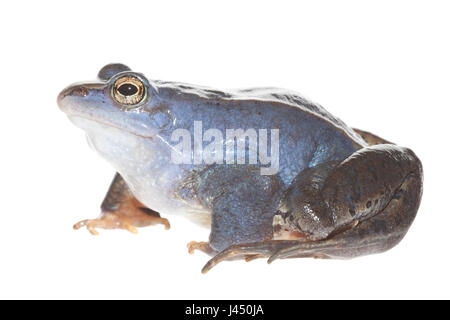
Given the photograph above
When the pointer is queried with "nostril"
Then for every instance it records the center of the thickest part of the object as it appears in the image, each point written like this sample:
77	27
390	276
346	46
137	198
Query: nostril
73	91
79	91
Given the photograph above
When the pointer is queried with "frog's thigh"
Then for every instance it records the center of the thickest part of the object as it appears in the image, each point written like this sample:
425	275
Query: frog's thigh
374	235
243	210
384	202
121	210
384	230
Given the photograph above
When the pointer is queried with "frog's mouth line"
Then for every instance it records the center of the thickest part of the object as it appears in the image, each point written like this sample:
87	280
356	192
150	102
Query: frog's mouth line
73	118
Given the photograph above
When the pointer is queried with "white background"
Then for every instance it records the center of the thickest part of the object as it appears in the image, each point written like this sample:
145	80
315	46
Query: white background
382	66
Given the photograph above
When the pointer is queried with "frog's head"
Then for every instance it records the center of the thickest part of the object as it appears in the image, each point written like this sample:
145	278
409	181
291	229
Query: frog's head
121	114
121	99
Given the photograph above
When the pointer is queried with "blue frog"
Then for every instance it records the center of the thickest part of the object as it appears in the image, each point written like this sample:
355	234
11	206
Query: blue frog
325	191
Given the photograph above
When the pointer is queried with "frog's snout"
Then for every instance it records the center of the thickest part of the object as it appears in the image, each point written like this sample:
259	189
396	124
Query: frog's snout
77	92
74	91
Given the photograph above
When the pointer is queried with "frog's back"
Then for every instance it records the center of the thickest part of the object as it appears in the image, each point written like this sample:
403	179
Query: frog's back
291	98
308	134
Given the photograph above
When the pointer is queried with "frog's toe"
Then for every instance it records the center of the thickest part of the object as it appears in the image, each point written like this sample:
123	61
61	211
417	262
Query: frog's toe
86	223
303	250
107	221
248	251
201	246
230	252
164	222
252	257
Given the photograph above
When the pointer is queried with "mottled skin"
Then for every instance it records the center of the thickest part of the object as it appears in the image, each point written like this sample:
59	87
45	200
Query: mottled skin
338	193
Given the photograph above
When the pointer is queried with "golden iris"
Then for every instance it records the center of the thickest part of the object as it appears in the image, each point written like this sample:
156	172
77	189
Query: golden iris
128	91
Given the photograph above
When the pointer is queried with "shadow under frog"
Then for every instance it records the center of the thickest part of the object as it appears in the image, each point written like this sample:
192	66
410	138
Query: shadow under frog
338	192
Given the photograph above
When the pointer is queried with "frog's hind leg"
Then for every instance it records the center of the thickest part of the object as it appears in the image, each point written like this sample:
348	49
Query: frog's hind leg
381	214
121	210
377	234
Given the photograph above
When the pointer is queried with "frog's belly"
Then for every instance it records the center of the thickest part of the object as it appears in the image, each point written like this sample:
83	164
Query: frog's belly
160	194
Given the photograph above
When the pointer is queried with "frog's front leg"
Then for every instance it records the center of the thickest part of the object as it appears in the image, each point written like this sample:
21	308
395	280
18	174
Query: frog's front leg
364	205
242	202
121	210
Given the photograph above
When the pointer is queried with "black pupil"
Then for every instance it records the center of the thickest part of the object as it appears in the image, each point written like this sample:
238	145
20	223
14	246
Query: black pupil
127	89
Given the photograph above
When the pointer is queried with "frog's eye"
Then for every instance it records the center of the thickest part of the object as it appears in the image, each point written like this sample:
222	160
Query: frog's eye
128	91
